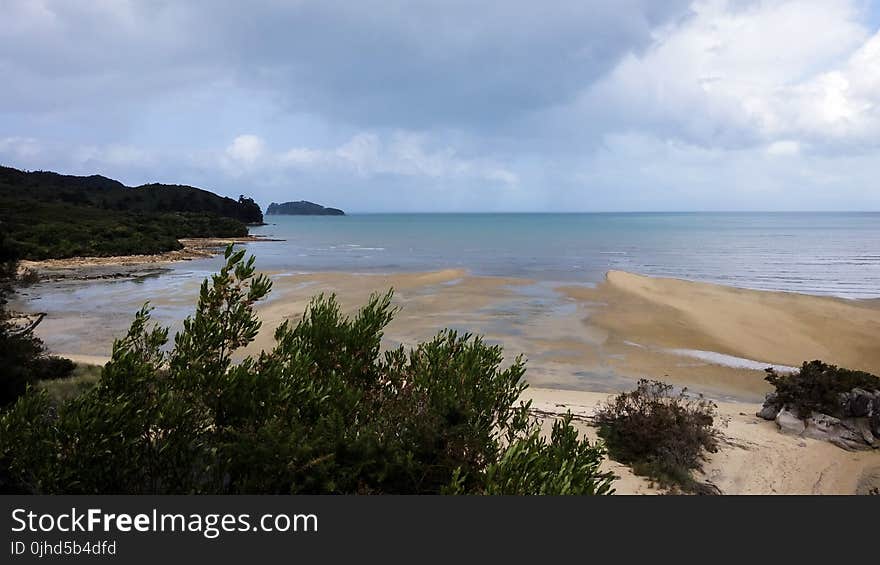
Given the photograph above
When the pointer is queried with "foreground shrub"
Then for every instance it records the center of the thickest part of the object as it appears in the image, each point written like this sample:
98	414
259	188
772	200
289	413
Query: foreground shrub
324	411
660	434
817	387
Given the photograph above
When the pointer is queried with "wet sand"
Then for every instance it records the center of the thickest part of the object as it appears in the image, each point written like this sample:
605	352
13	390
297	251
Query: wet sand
598	339
629	327
91	268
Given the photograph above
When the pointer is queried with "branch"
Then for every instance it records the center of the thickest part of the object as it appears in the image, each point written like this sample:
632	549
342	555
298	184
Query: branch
30	327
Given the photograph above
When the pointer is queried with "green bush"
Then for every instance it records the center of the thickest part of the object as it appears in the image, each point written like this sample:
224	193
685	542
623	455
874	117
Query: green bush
323	411
23	359
817	387
660	434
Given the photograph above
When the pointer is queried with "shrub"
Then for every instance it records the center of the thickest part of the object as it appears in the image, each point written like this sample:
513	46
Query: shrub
660	434
323	411
23	359
817	387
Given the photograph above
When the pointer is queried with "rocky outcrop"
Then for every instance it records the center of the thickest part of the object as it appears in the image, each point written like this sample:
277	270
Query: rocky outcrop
771	407
856	427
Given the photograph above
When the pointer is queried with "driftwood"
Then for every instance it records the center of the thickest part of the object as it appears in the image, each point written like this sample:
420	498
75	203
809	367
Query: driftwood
30	327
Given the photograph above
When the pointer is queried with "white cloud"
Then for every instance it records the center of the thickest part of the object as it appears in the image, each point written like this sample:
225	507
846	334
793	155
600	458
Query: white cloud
246	149
40	154
784	148
733	74
737	104
637	171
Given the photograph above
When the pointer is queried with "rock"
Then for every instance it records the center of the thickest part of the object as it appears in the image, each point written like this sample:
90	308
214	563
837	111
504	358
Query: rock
820	426
860	427
849	445
789	423
771	407
851	434
859	403
768	412
828	428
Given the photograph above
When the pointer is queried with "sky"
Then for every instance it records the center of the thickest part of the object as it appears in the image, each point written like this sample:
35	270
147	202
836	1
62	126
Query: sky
446	106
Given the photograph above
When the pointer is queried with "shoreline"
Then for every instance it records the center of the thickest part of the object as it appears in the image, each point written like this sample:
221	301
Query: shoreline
710	338
95	268
777	328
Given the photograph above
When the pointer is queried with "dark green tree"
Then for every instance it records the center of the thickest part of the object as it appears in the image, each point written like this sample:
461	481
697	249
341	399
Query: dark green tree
23	359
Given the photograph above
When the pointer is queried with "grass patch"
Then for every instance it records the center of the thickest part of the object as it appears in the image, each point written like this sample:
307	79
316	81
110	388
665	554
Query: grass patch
82	378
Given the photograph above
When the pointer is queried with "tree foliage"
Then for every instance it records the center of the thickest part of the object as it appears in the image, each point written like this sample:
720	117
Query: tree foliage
49	215
817	386
325	410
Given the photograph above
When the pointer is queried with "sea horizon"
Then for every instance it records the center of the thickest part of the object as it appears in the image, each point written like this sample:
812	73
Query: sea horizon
834	253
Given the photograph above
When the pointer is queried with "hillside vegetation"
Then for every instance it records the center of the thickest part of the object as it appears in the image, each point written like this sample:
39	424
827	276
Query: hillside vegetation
48	215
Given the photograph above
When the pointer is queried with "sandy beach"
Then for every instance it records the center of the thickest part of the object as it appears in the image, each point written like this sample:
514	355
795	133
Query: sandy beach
754	457
772	327
85	268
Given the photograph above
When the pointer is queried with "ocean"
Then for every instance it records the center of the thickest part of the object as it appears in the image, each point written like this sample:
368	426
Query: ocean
822	254
814	253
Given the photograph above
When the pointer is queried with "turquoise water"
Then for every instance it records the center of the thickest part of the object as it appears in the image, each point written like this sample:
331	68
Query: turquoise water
815	253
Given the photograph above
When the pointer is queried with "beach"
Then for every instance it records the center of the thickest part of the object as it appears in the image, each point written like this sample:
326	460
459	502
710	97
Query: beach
582	342
753	458
712	339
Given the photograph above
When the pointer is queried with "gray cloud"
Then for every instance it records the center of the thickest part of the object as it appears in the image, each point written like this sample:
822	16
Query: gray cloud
453	105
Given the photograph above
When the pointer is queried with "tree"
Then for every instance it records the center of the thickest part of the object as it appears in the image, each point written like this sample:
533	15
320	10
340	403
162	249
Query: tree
323	411
23	359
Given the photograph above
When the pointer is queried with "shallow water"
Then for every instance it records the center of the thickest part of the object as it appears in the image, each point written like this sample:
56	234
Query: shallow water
814	253
836	254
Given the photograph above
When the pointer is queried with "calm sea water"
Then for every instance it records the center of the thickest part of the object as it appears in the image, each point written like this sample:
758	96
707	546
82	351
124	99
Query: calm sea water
829	253
815	253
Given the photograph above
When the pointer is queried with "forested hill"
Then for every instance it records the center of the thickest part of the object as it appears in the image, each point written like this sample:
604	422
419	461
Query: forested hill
111	194
302	208
49	215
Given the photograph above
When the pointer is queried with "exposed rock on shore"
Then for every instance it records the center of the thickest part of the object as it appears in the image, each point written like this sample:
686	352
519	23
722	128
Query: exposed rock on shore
858	426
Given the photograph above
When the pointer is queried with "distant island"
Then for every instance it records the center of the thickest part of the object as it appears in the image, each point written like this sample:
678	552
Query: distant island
302	208
47	215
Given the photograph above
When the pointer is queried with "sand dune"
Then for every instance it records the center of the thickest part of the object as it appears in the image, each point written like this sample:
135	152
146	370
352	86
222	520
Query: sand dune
773	327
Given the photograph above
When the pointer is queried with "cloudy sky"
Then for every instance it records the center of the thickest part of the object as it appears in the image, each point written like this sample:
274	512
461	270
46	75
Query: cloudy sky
455	106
